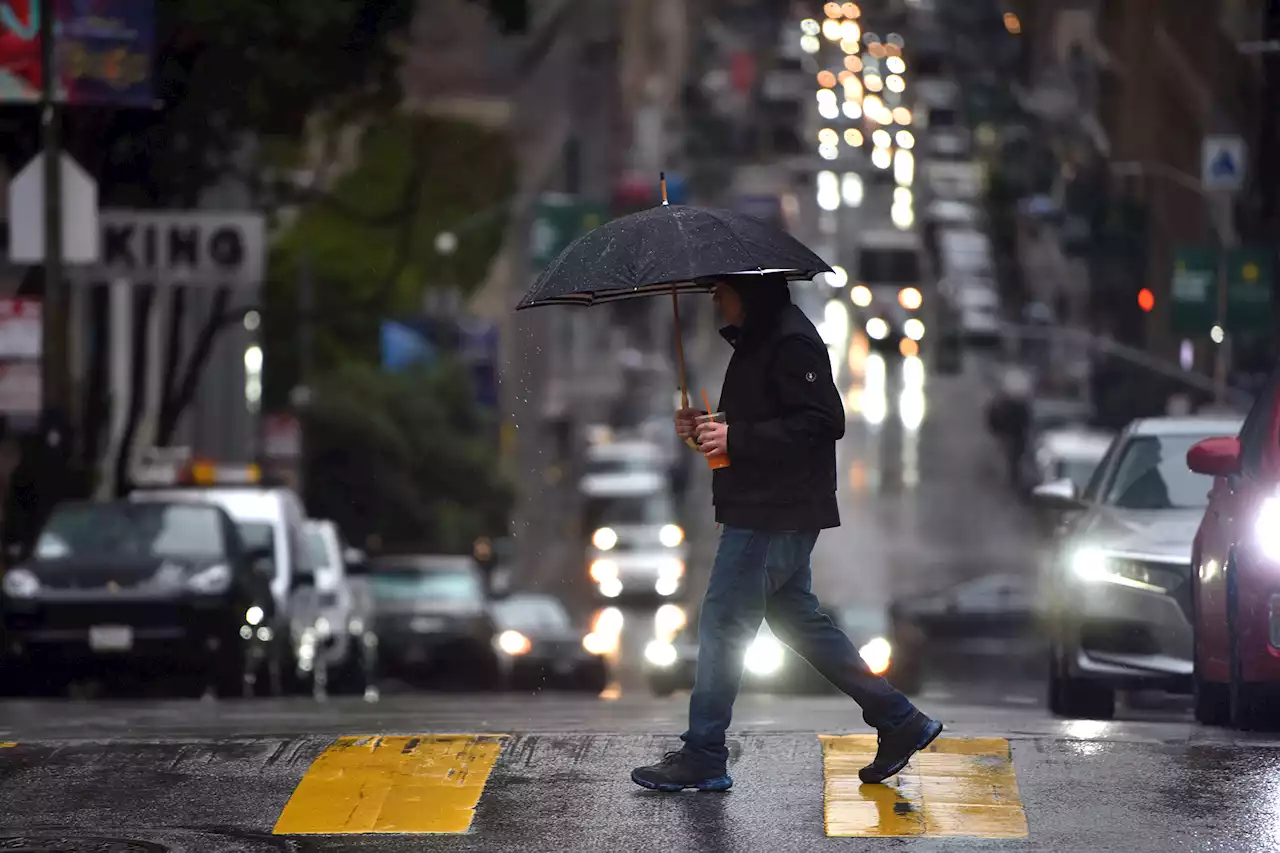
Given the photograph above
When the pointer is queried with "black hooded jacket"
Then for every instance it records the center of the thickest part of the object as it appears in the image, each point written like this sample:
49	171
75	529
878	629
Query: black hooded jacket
784	415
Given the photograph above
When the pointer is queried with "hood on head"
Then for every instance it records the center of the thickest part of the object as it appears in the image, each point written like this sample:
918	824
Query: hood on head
763	296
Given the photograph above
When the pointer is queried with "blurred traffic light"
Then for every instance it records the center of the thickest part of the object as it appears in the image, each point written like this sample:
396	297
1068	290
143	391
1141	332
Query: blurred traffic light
1146	299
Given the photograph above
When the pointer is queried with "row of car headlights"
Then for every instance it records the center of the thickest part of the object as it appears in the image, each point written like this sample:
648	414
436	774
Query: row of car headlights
766	655
606	538
20	582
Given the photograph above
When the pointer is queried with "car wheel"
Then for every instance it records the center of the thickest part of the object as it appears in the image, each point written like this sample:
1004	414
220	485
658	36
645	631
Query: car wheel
1078	698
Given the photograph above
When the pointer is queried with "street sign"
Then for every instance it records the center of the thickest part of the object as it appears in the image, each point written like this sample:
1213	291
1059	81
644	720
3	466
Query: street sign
1222	163
198	247
281	437
1194	291
20	387
559	220
79	214
20	328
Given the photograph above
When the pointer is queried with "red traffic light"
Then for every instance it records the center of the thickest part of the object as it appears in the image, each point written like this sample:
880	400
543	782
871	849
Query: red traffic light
1146	299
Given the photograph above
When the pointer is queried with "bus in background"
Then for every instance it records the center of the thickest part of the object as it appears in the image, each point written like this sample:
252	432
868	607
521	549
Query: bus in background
892	299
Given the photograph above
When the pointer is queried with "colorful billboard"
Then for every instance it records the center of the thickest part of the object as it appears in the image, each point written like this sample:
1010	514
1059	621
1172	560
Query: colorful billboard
104	51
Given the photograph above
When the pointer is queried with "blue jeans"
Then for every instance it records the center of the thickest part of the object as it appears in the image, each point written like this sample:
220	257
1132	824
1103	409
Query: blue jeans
760	575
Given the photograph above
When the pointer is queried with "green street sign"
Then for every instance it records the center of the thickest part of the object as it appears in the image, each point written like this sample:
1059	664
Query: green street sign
558	220
1194	290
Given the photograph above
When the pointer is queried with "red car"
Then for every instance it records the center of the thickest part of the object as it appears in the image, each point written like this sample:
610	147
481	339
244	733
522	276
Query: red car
1236	569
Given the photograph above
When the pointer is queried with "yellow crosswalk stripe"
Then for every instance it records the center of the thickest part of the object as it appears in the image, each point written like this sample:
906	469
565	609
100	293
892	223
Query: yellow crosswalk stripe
957	787
403	784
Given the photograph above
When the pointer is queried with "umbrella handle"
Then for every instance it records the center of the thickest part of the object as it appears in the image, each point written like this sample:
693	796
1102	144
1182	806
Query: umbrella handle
684	384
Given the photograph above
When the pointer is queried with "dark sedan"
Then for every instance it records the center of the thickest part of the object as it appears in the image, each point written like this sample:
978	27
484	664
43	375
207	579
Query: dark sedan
432	618
140	587
541	646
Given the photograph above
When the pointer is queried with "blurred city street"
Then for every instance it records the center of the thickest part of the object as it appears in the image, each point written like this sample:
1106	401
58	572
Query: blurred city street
313	538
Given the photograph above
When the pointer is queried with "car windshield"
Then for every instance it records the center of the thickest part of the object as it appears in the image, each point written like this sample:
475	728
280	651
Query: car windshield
440	585
533	615
257	535
1078	471
185	532
893	266
1152	473
318	550
637	510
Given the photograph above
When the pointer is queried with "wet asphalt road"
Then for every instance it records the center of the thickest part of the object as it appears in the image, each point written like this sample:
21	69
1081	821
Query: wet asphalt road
208	777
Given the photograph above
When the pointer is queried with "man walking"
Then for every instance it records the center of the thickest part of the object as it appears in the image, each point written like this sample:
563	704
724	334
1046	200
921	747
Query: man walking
783	416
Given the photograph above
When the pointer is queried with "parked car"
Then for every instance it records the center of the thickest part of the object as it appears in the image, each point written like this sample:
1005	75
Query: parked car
167	590
333	620
1235	569
1118	585
433	619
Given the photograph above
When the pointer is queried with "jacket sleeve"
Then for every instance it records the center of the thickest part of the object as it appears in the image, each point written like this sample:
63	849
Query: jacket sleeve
811	410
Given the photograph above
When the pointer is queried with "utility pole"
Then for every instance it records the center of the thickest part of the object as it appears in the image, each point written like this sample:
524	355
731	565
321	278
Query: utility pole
1224	214
55	372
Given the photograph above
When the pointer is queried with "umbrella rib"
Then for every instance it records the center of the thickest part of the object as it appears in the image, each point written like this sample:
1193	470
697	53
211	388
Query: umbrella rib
741	245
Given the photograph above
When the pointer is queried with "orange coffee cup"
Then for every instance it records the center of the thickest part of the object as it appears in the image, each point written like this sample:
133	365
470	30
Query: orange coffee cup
715	460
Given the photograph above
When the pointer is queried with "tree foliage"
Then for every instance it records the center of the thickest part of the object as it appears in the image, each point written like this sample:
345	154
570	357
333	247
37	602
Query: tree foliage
406	457
228	76
369	243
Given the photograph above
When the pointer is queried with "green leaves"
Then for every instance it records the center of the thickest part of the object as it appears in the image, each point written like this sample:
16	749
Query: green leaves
405	456
371	240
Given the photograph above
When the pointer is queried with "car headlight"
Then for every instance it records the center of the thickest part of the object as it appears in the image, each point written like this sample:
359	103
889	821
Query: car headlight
514	643
604	538
876	654
20	583
210	581
671	535
1267	528
1093	566
1088	564
660	653
602	571
764	656
600	644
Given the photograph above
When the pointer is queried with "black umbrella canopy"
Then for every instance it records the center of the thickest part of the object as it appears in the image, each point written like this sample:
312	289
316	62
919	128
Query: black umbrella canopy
667	249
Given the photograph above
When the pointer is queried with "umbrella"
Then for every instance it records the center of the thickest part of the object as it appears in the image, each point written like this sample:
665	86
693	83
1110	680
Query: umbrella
669	249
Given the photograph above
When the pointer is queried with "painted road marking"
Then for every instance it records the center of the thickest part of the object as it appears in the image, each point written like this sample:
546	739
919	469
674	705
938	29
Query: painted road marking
957	787
403	784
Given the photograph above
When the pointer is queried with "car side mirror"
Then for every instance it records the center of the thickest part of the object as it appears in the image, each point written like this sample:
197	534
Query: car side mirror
1057	494
1215	457
355	560
263	561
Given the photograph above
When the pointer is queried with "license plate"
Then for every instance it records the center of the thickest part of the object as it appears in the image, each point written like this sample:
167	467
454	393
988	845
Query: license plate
426	624
111	638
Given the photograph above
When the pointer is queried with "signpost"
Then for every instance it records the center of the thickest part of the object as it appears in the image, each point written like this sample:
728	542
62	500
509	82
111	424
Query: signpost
1222	172
80	242
1250	271
558	220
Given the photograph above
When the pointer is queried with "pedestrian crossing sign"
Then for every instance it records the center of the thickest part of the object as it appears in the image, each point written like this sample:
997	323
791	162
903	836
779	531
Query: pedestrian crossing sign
1222	163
